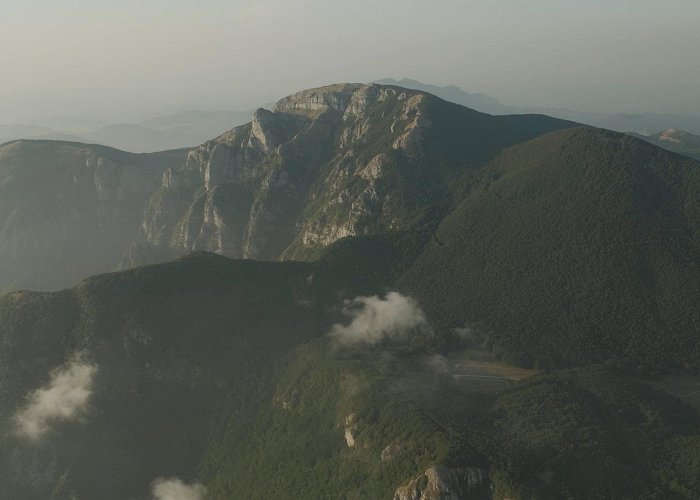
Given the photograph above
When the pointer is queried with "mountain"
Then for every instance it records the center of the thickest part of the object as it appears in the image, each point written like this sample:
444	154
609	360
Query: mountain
430	302
289	181
479	102
270	190
579	246
640	123
677	141
10	133
184	129
220	374
327	163
443	200
70	210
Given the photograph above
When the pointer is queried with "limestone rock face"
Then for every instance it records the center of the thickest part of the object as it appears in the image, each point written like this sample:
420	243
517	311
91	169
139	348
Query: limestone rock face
351	436
443	483
325	164
333	98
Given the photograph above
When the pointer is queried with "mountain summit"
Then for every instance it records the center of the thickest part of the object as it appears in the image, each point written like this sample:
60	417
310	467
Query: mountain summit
327	163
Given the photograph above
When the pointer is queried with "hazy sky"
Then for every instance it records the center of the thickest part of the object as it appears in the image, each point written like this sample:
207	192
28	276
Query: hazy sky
117	60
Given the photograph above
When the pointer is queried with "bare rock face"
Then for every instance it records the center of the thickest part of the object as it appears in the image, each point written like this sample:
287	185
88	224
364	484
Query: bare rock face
412	135
443	483
325	164
333	98
250	190
351	428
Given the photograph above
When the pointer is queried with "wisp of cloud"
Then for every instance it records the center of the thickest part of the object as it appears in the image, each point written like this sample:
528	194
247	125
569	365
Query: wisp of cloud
374	319
175	489
65	398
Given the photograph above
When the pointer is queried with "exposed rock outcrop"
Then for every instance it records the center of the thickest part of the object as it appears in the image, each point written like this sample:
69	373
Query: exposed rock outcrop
443	483
351	436
392	450
69	210
327	163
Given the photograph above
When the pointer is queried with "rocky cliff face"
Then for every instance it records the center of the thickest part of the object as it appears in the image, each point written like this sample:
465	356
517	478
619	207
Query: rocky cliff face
69	210
327	163
444	483
675	140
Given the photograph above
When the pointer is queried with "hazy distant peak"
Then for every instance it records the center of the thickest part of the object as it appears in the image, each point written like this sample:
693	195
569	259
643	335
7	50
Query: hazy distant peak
452	93
672	135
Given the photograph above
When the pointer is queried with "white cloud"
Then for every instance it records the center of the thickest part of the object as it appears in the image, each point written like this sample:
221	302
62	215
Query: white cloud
175	489
375	319
64	398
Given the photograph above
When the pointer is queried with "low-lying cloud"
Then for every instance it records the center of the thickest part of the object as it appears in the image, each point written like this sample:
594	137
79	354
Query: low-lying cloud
175	489
375	319
64	398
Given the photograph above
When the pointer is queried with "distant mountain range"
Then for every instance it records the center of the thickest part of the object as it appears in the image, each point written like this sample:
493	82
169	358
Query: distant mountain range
641	123
479	102
189	128
184	129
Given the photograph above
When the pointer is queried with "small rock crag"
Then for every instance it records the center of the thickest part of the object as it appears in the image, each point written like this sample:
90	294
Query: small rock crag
443	483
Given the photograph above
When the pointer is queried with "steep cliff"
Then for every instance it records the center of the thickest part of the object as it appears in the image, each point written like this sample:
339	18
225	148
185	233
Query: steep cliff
68	210
327	163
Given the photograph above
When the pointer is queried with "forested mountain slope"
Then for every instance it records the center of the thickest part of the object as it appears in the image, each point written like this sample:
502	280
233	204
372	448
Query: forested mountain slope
581	245
228	376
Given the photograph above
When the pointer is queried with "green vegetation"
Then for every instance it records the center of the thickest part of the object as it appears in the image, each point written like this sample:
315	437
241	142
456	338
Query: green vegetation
575	255
580	246
220	371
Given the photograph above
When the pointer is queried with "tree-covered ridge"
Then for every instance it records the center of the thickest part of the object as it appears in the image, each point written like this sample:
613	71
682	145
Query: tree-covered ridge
222	373
330	162
579	246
